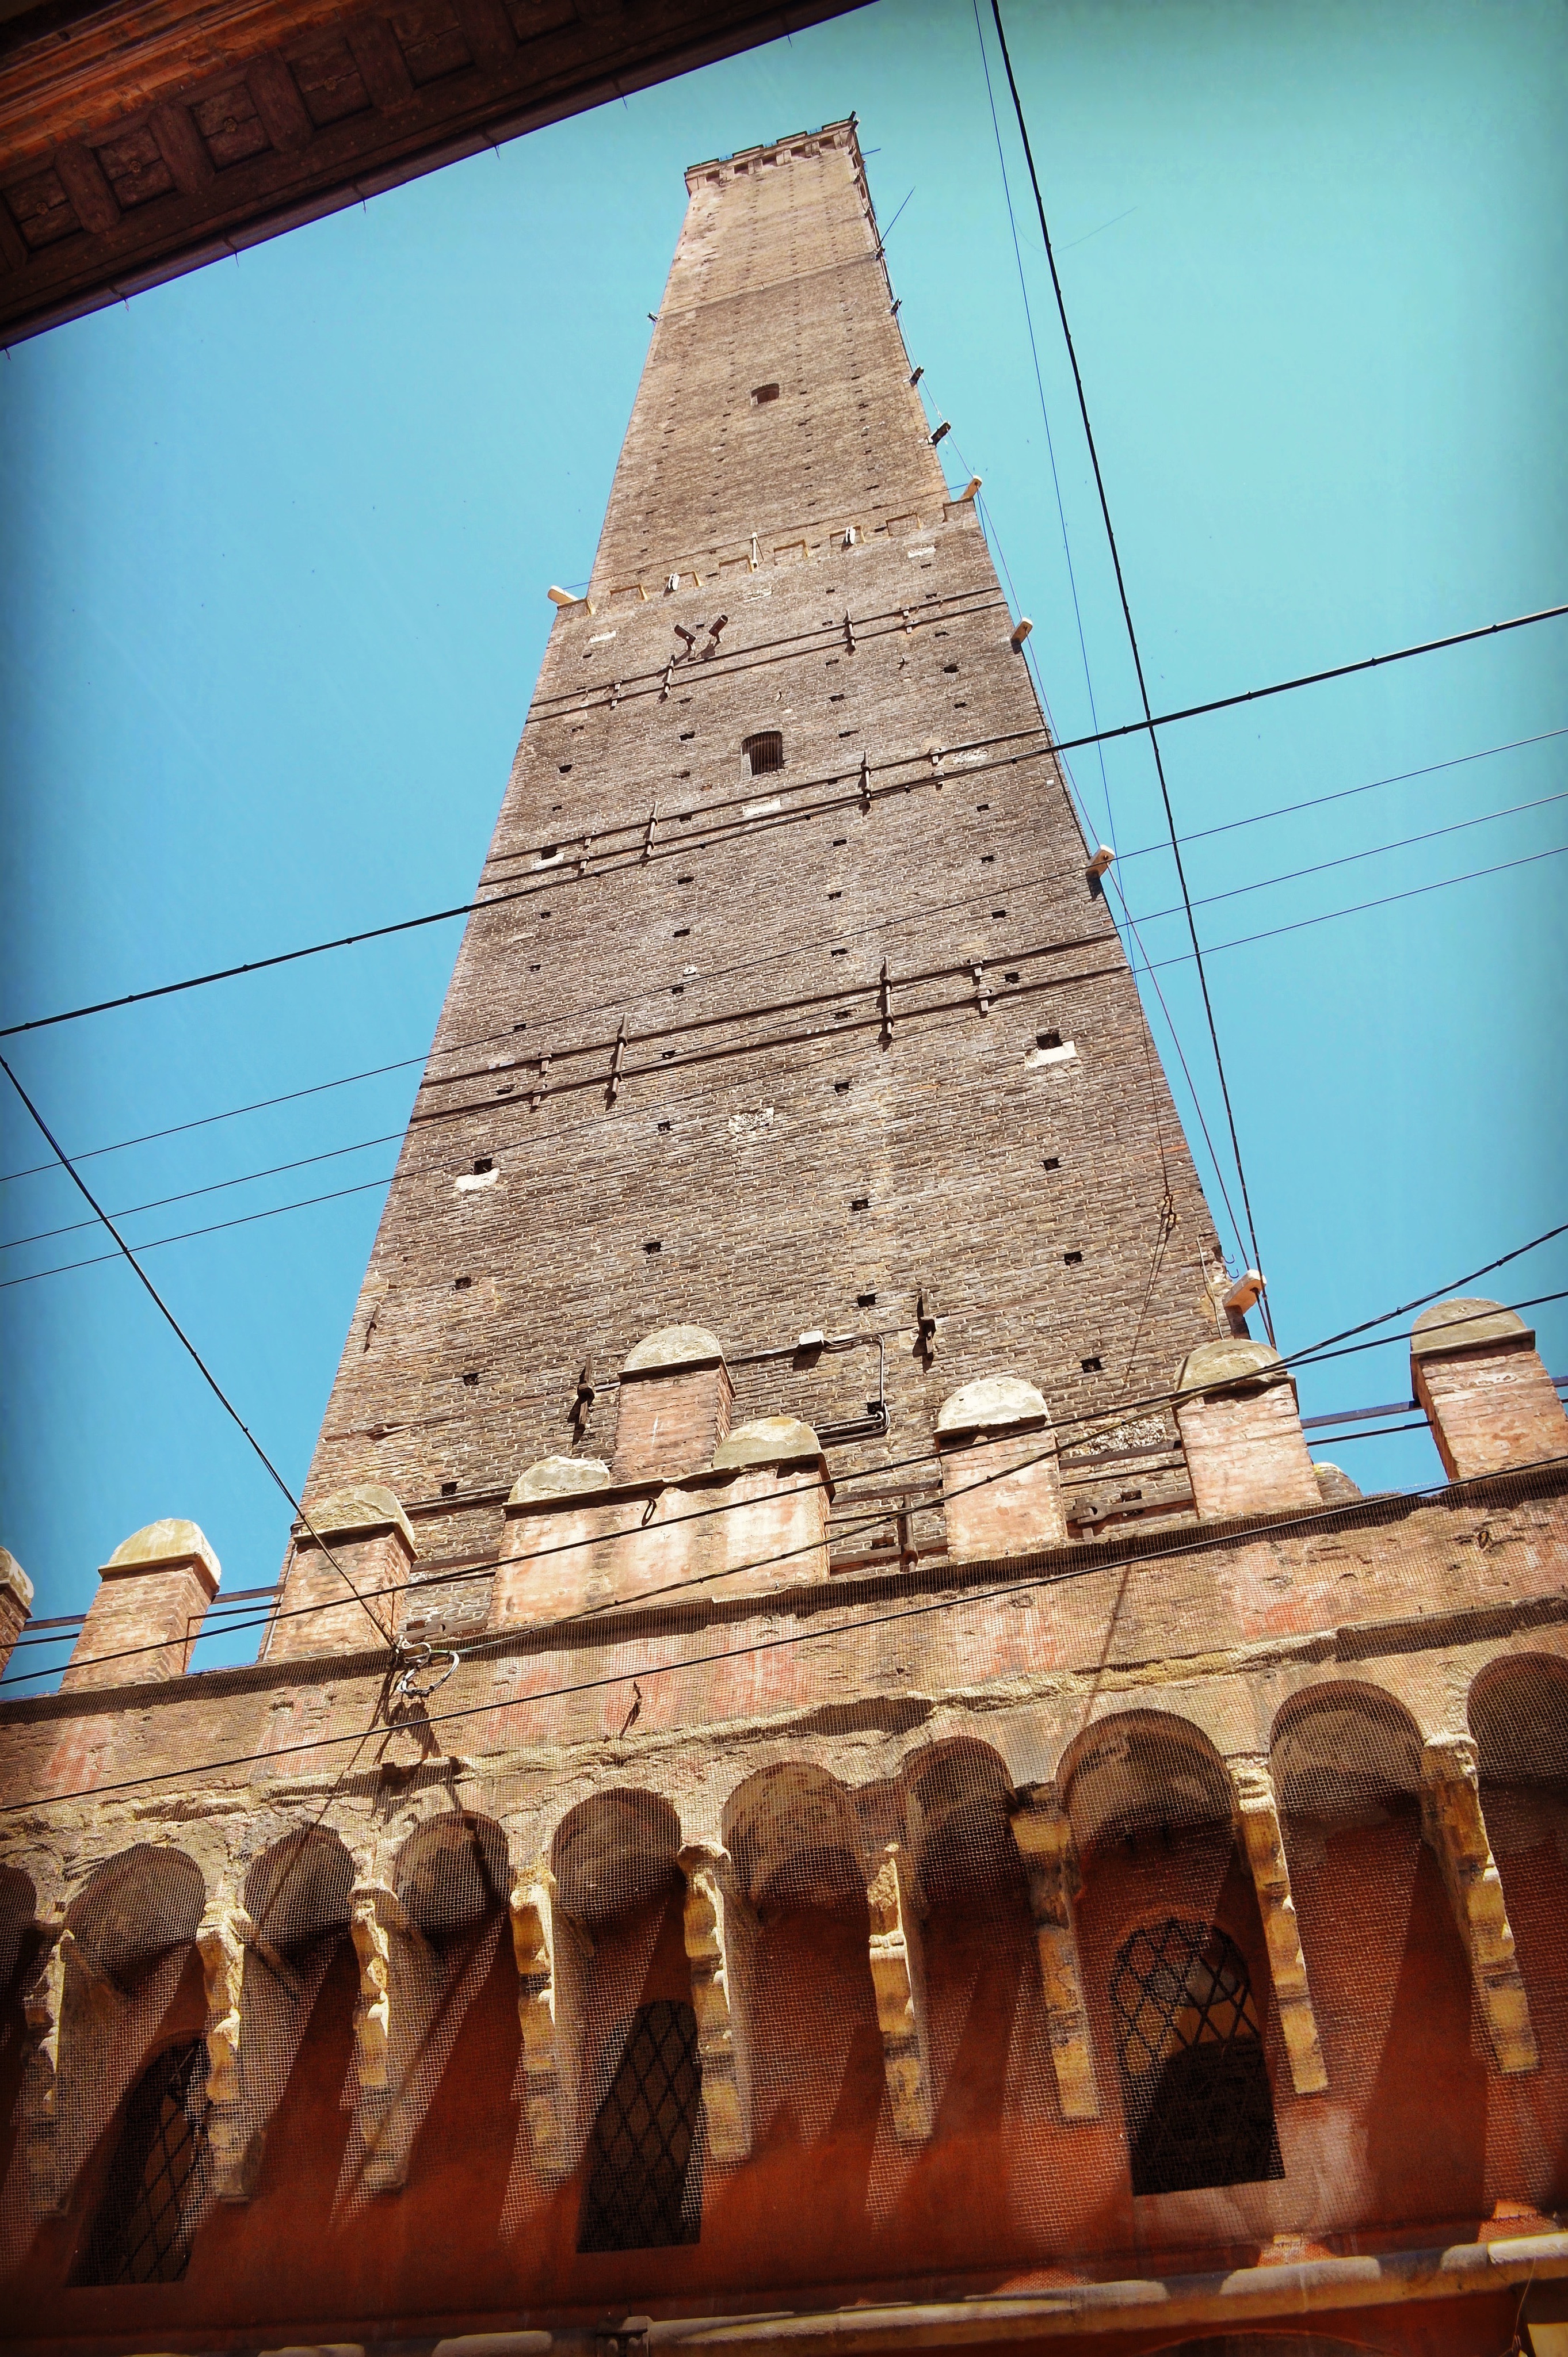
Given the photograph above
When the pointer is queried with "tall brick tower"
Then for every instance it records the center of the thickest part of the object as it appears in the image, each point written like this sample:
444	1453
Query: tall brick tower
869	1797
794	1011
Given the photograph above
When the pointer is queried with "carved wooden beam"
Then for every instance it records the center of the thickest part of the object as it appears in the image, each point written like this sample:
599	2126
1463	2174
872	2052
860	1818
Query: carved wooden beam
149	136
710	1922
1454	1825
897	1976
1257	1811
1045	1842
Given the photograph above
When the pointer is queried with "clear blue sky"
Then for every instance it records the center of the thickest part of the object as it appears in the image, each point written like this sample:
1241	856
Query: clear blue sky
278	537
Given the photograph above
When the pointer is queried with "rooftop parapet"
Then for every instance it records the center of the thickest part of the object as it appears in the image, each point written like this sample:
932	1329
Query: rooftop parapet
1001	1487
152	1599
675	1405
1491	1405
346	1574
1240	1431
16	1602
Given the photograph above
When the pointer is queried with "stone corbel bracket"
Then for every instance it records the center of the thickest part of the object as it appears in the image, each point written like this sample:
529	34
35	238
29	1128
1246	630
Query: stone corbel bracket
1044	1837
69	2007
899	1979
542	1940
221	1940
400	1980
43	2007
710	1920
1263	1839
1454	1824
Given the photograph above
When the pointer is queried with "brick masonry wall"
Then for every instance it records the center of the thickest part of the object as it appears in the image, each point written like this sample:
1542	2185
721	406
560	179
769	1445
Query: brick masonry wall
761	1154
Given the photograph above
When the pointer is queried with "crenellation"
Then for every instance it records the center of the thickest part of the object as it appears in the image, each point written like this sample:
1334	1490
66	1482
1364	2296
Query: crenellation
824	1752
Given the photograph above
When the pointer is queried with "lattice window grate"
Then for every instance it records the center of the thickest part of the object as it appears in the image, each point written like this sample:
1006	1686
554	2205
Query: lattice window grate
645	2166
1195	2080
152	2202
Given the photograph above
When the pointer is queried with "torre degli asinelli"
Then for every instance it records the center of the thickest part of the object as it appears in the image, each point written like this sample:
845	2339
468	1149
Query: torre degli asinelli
825	1772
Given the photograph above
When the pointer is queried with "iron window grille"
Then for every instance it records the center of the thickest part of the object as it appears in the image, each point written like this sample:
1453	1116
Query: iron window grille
765	752
157	2181
1195	2081
645	2158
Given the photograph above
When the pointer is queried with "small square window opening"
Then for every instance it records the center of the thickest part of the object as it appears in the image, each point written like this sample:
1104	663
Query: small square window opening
764	752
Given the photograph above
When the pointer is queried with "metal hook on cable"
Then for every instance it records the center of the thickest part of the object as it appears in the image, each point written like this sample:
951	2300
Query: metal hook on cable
406	1687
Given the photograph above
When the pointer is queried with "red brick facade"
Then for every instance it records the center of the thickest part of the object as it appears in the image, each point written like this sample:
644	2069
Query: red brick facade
826	1769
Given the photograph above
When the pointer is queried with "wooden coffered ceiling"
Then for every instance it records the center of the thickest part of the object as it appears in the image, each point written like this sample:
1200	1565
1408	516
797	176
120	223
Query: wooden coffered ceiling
139	138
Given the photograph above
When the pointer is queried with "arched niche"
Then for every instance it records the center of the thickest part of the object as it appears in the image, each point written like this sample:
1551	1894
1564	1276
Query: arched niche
297	1893
1139	1776
18	1903
1519	1717
451	1875
800	1958
957	1795
136	1911
614	1854
1345	1755
792	1835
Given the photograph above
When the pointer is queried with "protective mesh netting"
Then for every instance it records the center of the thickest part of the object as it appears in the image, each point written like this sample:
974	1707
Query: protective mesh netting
520	1890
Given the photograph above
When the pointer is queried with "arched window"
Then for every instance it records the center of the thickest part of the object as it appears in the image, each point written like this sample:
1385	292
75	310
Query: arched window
645	2158
1194	2084
151	2205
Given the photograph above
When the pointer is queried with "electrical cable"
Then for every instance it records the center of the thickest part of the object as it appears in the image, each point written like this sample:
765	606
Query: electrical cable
1308	1354
716	974
1045	413
1137	657
1150	966
188	1345
1068	745
1201	1543
1349	858
1344	793
216	1186
207	1120
1359	907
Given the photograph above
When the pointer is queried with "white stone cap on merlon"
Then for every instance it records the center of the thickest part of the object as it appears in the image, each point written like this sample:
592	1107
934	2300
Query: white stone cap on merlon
1450	1325
366	1509
560	1477
165	1546
14	1577
1231	1360
769	1440
990	1404
672	1349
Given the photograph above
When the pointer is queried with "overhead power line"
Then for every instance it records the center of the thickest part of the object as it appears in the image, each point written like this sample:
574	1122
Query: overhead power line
1343	794
207	1377
1137	657
1151	966
499	899
1196	1542
1350	858
392	1138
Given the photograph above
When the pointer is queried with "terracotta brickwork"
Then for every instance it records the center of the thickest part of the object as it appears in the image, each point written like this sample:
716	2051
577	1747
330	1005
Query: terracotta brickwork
819	1824
668	1085
153	1593
1476	1372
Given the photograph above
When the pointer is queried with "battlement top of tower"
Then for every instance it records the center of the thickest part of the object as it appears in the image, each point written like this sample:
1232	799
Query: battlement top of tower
719	170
